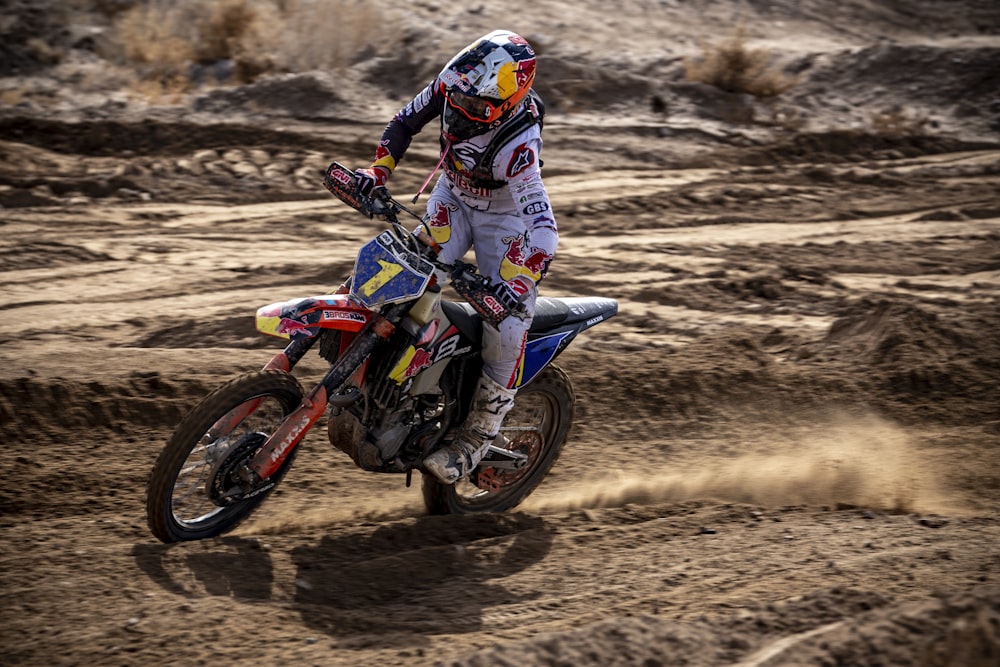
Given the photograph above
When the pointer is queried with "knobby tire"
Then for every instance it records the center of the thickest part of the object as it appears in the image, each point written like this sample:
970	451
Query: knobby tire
279	393
546	404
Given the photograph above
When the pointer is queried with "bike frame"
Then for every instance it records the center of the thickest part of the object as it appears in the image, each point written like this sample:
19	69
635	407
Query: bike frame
389	277
295	426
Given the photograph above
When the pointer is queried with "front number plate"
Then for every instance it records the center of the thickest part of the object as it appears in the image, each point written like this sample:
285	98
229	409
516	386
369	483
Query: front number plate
386	272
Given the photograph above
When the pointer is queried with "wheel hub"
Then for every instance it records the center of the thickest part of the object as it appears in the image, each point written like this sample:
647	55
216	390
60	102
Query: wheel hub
225	485
494	479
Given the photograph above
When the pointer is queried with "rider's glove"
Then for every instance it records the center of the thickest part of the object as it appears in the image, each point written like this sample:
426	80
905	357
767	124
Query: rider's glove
511	293
370	178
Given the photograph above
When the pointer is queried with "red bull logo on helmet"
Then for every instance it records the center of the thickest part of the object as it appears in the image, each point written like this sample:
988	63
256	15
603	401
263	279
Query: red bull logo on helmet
525	73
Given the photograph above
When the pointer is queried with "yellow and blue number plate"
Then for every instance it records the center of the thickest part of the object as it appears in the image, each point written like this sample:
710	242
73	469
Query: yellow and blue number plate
387	272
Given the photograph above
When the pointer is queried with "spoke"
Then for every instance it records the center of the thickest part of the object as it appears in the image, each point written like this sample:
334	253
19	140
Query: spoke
190	501
194	489
191	468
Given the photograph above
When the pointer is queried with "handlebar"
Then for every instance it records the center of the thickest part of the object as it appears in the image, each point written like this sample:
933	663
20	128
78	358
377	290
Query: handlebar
343	183
476	288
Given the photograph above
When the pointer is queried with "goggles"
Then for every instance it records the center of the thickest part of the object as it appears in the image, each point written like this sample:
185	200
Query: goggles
474	108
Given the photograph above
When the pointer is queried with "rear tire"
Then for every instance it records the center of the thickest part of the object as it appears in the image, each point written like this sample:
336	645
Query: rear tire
193	467
537	426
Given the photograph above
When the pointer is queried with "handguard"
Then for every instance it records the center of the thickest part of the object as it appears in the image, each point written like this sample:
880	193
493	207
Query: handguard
479	292
342	182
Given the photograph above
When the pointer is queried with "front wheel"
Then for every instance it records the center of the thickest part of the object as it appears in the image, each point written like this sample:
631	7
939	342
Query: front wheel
536	427
194	489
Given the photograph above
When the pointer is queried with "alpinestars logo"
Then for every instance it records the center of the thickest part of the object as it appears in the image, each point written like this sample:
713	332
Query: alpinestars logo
522	158
496	404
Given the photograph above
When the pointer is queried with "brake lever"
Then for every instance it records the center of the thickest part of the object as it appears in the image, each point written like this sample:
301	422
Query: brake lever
381	193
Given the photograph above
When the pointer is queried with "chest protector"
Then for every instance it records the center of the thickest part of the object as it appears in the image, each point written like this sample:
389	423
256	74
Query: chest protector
481	174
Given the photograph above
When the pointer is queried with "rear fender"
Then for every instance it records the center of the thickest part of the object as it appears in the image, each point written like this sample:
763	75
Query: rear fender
299	318
544	346
540	351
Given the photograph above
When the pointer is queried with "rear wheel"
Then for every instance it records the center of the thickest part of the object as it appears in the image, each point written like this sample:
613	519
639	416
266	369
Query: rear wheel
536	427
194	489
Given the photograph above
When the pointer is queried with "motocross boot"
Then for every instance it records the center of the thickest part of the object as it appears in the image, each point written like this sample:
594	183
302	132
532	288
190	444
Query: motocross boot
457	459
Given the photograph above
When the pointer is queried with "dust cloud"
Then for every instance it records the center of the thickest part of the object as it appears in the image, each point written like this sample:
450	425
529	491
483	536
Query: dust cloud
866	462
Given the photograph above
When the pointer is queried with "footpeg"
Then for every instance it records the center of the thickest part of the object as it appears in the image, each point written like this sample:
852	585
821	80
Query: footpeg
503	459
350	397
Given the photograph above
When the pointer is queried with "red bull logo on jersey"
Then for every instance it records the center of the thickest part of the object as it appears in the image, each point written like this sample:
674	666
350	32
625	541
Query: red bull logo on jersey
520	260
466	186
517	249
438	223
383	158
512	263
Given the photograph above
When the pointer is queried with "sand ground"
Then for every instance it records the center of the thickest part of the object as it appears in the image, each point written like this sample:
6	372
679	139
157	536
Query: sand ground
787	444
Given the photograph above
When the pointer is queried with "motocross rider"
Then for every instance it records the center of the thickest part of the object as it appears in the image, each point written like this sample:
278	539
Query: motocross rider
490	197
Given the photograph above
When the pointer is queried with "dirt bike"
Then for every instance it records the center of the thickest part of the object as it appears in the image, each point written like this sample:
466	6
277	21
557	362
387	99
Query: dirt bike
404	362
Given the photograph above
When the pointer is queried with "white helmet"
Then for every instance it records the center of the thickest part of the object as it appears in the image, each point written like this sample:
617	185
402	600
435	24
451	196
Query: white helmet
486	81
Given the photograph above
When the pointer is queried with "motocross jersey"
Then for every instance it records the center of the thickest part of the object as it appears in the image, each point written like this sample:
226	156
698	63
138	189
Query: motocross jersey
497	171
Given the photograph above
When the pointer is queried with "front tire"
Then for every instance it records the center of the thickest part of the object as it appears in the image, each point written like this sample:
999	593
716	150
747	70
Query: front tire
536	426
190	492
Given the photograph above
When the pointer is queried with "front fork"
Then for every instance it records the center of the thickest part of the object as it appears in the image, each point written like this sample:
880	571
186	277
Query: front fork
293	429
283	361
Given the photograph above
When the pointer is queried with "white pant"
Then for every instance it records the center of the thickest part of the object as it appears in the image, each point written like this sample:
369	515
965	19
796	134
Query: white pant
499	240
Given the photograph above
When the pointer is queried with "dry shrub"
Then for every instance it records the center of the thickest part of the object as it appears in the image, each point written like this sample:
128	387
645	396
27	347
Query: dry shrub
42	51
324	34
224	29
896	122
165	39
169	32
12	97
157	39
734	68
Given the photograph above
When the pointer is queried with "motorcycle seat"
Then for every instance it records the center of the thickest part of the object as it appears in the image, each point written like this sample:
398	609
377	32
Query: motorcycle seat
550	312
